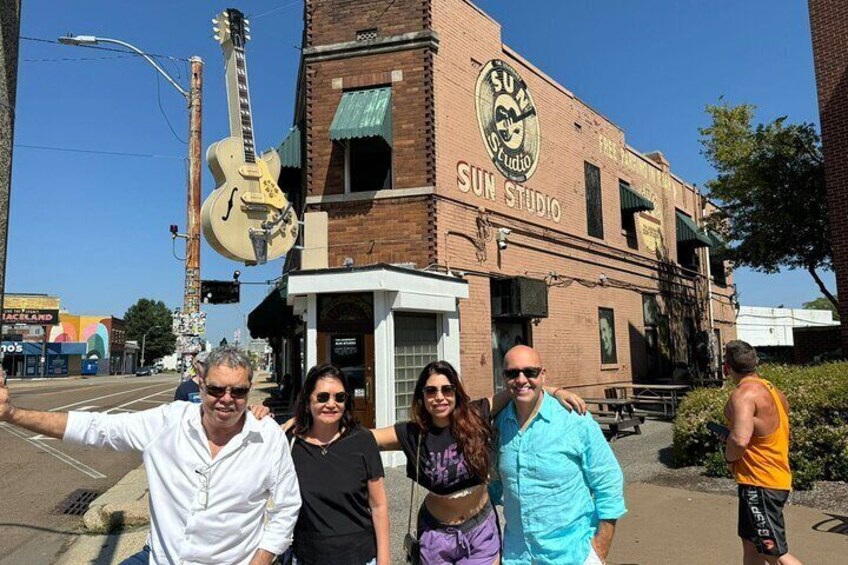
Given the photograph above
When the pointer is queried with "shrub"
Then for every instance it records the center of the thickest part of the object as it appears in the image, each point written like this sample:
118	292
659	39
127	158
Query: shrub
818	399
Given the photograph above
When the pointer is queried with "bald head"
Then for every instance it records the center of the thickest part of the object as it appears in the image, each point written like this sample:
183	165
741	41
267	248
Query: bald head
522	356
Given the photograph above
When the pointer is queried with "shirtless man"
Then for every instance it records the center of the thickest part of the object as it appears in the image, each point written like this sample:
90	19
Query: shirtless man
757	452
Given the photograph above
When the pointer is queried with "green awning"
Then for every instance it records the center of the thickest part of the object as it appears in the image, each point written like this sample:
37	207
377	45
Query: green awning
689	233
289	149
718	241
632	201
364	113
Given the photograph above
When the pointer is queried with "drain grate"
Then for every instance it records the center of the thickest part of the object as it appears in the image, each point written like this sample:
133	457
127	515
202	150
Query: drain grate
77	502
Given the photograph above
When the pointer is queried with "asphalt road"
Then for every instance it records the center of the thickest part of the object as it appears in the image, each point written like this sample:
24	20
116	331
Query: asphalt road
37	473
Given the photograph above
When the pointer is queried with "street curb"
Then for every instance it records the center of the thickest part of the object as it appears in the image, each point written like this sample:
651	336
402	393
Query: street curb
125	505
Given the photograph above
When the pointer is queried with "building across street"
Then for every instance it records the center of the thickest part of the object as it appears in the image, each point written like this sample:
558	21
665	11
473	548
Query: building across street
472	203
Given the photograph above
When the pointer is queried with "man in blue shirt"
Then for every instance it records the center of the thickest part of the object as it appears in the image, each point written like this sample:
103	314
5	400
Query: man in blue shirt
559	482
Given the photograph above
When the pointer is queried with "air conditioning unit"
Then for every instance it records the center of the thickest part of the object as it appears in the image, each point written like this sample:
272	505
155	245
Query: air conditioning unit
519	297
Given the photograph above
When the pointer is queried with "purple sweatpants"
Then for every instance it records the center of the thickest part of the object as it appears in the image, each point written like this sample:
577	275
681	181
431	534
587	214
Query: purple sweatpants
476	541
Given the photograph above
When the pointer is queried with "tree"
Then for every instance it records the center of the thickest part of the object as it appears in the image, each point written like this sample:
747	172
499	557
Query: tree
822	303
141	318
771	192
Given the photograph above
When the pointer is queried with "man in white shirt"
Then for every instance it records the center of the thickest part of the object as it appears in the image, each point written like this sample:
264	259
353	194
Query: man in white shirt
222	484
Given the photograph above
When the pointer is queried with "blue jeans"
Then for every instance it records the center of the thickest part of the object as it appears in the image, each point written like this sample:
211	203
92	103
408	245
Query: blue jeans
140	558
372	562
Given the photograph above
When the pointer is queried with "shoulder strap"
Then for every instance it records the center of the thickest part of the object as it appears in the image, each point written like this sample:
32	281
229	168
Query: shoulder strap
414	501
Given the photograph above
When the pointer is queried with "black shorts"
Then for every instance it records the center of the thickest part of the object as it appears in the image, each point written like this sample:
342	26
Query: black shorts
761	518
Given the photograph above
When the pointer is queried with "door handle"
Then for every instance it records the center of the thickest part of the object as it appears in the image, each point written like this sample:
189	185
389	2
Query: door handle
368	390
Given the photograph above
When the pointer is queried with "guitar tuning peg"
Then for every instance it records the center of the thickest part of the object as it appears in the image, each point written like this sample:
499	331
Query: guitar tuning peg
246	22
216	29
215	21
217	37
247	37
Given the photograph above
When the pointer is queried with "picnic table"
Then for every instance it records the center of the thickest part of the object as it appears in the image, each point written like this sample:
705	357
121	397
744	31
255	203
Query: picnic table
666	396
616	414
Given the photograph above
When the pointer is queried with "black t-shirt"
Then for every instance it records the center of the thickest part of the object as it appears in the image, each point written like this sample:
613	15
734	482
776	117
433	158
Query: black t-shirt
189	391
442	467
334	525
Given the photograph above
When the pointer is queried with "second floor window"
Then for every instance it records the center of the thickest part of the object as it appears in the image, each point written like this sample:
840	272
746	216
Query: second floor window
594	204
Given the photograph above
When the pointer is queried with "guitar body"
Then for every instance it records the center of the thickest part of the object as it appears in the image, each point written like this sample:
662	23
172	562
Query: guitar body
247	217
227	217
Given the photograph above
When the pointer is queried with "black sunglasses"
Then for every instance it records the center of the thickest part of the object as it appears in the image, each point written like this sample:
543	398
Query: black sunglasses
324	397
237	392
447	390
529	372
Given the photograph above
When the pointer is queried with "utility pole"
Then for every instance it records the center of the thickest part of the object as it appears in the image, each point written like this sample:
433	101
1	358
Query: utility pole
191	299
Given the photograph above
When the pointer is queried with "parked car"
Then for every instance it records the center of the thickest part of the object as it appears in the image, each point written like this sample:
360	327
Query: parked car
145	371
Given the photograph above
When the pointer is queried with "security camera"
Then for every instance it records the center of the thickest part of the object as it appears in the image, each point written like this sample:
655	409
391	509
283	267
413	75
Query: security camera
236	275
503	233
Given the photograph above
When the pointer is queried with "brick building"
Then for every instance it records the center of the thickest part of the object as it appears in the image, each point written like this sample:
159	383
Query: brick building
829	23
472	203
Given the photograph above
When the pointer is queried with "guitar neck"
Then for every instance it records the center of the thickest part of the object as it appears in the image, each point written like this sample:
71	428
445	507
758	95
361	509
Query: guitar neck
238	102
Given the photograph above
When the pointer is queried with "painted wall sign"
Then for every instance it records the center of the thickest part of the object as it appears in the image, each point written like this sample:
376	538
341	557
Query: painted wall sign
481	183
655	181
508	120
30	316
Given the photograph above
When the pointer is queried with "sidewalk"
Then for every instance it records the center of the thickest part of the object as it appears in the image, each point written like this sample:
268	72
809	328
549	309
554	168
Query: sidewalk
664	526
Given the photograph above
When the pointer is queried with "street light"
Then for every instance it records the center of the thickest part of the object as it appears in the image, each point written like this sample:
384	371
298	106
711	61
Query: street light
144	340
191	296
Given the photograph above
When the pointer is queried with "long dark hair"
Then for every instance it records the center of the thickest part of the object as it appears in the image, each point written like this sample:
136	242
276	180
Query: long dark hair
302	413
473	433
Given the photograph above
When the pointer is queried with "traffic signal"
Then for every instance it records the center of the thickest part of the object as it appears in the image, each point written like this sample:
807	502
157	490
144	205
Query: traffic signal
219	292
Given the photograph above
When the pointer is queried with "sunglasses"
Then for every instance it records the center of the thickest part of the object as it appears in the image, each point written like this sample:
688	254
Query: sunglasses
324	397
529	372
237	392
447	390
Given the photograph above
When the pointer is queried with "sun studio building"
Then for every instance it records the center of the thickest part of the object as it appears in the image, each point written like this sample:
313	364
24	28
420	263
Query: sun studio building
459	201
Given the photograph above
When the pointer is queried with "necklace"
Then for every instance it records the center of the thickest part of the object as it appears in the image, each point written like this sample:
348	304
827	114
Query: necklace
325	446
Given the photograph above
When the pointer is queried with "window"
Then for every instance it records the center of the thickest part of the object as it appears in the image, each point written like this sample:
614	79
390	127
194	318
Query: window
650	313
366	34
628	220
368	165
687	257
717	269
594	206
416	344
606	327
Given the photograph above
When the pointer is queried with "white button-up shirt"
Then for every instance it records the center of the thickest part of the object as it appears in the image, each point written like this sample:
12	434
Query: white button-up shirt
204	510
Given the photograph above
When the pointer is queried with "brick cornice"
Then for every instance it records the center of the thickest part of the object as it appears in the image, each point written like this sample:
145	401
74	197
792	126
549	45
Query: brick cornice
418	40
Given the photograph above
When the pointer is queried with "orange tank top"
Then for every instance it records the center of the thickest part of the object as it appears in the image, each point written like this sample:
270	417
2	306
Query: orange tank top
766	461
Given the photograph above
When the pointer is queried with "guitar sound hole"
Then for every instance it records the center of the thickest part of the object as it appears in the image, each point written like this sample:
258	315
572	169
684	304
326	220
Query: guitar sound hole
226	216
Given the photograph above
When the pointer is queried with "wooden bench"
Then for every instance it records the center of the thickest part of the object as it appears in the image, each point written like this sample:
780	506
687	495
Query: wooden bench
616	415
666	397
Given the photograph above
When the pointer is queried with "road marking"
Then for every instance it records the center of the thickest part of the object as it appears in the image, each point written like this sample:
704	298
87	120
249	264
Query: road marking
40	437
64	457
102	397
125	404
84	408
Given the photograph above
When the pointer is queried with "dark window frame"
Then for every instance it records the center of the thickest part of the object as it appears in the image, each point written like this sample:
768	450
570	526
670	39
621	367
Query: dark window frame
594	200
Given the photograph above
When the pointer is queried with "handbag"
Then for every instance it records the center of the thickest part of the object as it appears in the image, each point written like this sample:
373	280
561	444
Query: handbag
411	545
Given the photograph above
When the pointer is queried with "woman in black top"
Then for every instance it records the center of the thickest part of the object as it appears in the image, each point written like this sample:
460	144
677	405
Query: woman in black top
448	446
344	517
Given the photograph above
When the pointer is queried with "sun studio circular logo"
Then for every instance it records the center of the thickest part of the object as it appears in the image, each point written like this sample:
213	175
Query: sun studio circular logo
508	121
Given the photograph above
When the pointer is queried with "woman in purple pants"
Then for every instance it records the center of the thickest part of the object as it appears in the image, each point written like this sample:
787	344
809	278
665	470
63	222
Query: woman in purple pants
449	448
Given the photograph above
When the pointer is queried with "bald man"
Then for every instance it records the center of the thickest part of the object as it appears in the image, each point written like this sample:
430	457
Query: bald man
559	482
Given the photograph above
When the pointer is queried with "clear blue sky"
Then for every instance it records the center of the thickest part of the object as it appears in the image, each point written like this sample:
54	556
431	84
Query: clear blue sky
93	228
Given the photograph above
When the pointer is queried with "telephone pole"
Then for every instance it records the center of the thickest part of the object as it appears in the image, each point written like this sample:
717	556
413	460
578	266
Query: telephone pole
191	298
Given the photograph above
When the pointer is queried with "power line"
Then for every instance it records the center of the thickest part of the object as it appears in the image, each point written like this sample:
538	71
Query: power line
162	110
96	151
272	10
65	59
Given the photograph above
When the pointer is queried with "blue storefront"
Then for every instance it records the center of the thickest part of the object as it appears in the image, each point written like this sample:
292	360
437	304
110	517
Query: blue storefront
23	358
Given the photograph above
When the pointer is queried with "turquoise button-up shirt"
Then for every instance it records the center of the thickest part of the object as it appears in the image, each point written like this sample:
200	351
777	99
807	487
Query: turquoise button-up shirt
557	478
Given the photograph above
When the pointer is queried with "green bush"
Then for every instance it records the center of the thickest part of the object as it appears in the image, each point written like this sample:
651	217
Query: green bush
818	400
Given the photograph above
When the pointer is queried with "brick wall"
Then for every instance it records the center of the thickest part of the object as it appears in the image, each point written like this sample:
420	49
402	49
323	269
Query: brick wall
812	342
337	21
829	23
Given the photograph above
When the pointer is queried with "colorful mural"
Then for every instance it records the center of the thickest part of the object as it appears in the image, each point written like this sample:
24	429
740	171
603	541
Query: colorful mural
92	330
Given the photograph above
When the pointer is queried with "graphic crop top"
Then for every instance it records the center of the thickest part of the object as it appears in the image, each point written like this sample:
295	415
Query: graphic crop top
443	469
